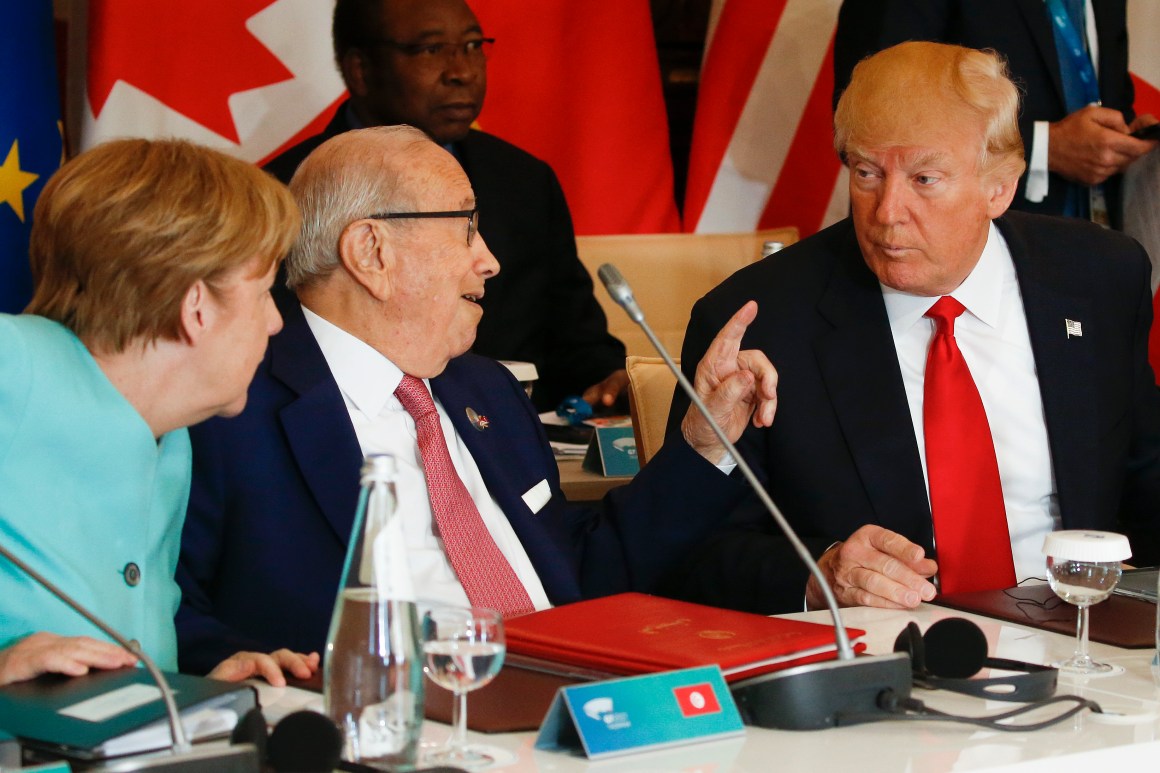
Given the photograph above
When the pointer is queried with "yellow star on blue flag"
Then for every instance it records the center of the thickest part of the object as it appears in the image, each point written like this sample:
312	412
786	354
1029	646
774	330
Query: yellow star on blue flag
30	138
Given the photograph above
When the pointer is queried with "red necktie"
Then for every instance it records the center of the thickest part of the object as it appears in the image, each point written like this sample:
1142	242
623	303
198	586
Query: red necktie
966	498
481	567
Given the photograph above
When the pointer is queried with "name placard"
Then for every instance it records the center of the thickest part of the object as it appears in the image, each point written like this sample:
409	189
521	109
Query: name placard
612	451
640	713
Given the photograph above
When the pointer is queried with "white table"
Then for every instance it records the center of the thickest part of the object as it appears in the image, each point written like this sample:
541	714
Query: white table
1083	743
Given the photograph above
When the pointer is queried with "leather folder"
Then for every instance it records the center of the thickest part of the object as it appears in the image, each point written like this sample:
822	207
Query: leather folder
1118	620
623	635
634	633
110	713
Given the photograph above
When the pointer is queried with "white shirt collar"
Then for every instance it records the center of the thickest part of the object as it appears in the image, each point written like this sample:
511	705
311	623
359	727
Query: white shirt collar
981	292
365	376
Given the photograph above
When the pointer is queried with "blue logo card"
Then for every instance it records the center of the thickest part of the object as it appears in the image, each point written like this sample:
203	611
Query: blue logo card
612	451
641	713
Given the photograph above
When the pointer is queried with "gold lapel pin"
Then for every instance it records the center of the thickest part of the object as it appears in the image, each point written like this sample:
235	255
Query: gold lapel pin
479	421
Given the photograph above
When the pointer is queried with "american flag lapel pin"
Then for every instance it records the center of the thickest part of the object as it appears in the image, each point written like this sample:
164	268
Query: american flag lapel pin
1073	328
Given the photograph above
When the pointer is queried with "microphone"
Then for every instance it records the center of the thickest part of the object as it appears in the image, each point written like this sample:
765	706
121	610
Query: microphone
618	288
305	742
181	757
845	691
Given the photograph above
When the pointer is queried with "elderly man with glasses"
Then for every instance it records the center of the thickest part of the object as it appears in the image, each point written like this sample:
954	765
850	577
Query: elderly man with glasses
424	63
373	359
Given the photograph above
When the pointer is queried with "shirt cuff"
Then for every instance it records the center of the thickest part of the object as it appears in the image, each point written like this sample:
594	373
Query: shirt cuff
1036	190
728	464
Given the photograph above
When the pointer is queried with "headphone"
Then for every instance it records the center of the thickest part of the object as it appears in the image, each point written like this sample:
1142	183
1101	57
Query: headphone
955	649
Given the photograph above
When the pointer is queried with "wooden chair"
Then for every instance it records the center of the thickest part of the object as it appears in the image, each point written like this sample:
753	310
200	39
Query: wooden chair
650	395
668	274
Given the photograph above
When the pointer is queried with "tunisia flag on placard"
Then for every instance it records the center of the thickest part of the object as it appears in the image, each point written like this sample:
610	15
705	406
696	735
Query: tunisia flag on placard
248	77
578	84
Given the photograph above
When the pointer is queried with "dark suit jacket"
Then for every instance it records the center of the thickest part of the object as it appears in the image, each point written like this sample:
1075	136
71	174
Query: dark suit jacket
842	452
275	489
540	307
1018	29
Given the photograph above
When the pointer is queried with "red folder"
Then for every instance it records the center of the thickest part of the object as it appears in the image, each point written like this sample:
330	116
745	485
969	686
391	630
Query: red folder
634	633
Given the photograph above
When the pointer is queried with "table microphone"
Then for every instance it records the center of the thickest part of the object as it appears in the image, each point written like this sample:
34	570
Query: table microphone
180	757
845	691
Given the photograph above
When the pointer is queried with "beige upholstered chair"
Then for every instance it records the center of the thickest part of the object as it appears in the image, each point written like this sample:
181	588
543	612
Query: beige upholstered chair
668	274
650	394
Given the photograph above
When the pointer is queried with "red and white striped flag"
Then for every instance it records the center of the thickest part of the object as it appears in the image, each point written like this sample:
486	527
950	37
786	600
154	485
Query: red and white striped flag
762	153
1143	180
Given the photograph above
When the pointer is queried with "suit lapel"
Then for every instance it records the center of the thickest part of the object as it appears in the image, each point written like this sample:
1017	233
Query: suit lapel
858	363
317	423
1039	24
1065	366
495	465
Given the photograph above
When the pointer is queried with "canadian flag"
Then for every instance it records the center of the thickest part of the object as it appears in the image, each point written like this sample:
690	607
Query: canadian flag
245	76
575	84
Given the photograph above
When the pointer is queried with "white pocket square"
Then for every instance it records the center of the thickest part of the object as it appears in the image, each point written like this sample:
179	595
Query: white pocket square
537	496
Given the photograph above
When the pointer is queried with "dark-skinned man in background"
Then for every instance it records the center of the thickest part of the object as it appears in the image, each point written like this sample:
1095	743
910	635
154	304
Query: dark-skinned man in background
424	63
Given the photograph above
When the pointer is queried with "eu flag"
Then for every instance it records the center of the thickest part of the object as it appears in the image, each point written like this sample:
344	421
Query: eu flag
30	135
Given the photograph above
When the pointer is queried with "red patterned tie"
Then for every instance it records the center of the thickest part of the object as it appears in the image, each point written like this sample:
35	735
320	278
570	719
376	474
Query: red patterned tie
966	498
485	574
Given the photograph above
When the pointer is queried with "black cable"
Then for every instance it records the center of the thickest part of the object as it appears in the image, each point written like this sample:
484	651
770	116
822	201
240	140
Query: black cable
912	709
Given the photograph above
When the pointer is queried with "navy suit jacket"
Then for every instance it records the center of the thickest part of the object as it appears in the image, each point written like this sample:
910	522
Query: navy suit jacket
1020	30
842	450
540	307
275	489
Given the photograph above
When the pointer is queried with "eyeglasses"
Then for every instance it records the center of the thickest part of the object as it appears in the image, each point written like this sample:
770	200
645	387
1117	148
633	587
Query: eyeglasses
471	50
472	216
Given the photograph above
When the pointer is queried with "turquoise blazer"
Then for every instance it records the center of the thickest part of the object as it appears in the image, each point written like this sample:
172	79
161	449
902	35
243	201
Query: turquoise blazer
88	497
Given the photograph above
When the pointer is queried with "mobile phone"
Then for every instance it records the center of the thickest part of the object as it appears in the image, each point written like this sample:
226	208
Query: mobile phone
1148	132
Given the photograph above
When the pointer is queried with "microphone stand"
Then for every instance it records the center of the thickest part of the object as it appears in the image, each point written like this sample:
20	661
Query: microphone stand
846	691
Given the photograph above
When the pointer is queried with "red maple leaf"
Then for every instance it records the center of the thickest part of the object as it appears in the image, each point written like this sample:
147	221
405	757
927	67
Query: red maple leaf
190	55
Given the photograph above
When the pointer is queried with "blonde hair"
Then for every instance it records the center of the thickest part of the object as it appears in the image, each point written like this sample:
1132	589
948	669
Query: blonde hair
121	232
894	91
347	178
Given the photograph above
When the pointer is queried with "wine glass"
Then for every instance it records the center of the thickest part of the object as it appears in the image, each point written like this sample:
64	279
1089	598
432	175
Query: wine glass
464	650
1083	568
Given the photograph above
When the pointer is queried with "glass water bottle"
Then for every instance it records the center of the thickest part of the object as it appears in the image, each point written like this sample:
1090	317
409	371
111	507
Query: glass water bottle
373	674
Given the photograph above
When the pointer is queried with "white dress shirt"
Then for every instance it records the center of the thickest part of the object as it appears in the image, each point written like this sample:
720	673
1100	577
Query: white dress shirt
368	381
992	335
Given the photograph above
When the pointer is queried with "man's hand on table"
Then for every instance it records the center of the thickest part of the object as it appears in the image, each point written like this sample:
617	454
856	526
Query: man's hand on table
875	567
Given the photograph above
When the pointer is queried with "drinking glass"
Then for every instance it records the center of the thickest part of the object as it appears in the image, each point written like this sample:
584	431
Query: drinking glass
464	650
1083	568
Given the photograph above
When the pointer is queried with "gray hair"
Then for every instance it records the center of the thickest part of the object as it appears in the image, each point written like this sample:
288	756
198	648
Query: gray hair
347	178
